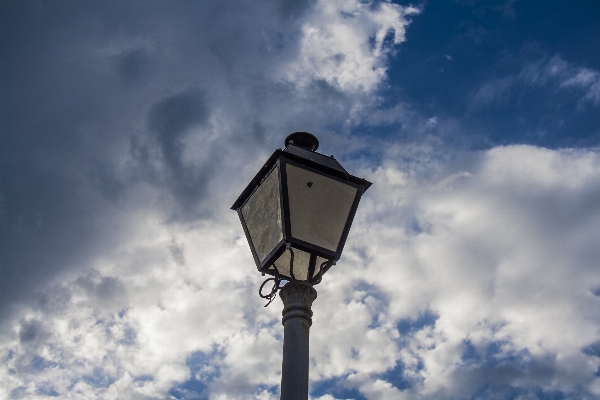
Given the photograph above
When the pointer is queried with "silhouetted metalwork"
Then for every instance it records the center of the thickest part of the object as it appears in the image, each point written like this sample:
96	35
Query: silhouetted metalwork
296	214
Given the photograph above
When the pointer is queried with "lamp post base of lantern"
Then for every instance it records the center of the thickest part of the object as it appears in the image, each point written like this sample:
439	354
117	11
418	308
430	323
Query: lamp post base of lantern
297	300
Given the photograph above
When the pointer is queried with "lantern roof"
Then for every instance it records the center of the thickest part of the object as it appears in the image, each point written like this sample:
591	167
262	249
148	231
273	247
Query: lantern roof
327	164
297	211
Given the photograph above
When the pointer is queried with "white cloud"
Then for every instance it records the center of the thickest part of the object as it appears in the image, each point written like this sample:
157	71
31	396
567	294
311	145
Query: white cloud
344	43
505	257
502	255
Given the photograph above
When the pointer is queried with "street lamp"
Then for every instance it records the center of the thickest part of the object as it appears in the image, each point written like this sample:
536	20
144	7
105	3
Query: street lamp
296	213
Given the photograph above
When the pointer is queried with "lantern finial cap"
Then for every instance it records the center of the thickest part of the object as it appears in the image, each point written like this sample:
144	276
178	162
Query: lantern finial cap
303	139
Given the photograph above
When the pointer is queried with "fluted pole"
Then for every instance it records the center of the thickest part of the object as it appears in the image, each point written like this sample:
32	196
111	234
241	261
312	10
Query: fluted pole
297	318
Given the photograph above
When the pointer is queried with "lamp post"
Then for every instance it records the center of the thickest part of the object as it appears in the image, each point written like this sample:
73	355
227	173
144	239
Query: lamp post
296	214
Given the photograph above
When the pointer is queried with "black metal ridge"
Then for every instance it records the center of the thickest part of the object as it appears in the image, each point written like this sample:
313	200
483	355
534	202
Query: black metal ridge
316	158
309	158
256	181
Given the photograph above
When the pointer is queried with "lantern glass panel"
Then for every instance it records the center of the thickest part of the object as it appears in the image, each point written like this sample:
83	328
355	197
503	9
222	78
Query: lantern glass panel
262	214
301	264
319	207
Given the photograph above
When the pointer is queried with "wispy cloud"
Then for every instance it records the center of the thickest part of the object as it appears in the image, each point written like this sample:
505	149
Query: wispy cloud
553	73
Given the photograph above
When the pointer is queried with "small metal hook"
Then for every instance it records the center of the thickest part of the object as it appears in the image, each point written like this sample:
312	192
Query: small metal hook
276	286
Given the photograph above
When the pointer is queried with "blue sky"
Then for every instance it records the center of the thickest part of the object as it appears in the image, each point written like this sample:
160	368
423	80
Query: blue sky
127	130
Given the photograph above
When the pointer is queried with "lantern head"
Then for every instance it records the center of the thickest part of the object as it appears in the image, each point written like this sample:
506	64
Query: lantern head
298	209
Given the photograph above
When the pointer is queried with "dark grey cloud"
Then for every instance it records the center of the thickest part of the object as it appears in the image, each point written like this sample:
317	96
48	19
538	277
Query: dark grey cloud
133	66
30	331
98	97
161	153
108	108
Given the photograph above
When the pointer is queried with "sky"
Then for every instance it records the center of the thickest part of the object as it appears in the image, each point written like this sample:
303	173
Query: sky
129	128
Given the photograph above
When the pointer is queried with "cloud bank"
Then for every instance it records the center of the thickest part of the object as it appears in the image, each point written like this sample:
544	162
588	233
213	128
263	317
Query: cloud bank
483	283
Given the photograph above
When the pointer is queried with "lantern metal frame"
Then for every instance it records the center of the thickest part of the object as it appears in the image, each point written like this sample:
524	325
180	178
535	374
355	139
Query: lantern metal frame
317	163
